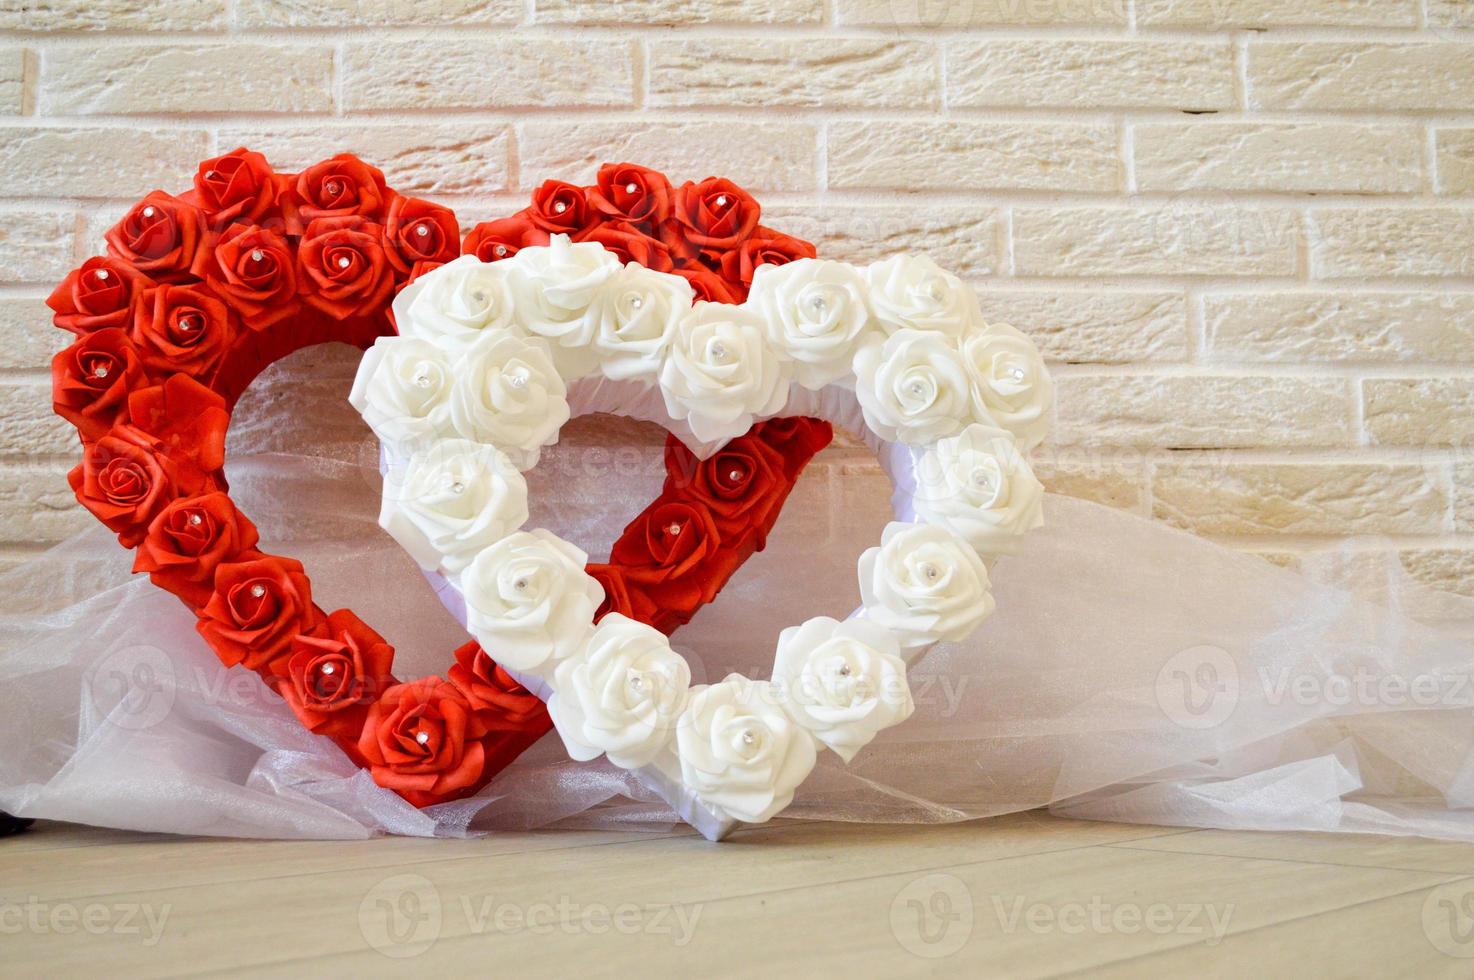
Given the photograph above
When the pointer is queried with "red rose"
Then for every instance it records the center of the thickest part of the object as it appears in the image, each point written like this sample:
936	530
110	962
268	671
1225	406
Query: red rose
256	609
492	241
161	237
674	553
422	740
418	231
124	481
708	286
628	192
765	247
742	486
558	208
189	539
331	680
796	438
239	186
715	215
252	270
341	187
629	244
501	703
91	379
97	296
185	329
619	596
187	418
344	271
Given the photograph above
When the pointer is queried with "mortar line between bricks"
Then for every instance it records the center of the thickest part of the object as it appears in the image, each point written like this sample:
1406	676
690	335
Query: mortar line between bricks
816	31
844	114
1430	165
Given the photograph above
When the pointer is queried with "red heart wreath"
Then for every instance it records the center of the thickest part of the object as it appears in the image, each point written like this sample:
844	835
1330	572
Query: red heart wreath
199	293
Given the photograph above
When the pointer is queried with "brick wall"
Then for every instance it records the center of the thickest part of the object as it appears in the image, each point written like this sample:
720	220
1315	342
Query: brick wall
1240	228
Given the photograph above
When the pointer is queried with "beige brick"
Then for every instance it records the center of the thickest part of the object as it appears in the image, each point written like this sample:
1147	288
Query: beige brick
761	155
1420	412
620	13
1300	498
1090	73
1455	161
1093	325
374	13
1276	13
1172	239
1114	482
1449	569
131	79
1370	327
426	158
1202	412
110	161
962	238
36	246
738	71
1458	14
1279	157
113	15
29	427
981	13
1373	241
12	81
1360	77
27	338
1282	559
439	74
973	156
37	505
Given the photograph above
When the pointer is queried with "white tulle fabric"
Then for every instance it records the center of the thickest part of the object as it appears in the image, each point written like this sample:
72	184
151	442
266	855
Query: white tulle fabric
117	714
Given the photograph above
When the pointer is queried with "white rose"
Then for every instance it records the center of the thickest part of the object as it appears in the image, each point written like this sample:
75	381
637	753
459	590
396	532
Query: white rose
911	292
913	388
529	600
450	501
621	695
721	372
843	682
740	752
452	305
1010	383
402	390
635	316
815	313
978	485
508	393
925	585
554	285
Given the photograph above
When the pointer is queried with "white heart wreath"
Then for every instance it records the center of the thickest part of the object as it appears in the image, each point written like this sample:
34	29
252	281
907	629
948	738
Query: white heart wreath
492	360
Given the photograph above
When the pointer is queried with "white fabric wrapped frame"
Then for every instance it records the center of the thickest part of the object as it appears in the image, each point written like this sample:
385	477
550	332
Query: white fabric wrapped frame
492	359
